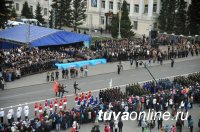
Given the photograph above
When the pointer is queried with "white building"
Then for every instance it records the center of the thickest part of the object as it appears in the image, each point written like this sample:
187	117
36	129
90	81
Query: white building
143	13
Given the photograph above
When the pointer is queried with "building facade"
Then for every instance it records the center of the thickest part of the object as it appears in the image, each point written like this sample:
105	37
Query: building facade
143	13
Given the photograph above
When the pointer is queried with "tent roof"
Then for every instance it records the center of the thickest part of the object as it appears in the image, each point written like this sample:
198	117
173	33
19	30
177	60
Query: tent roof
41	36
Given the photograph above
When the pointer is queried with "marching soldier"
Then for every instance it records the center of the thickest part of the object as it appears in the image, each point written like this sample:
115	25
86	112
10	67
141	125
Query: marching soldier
119	67
76	87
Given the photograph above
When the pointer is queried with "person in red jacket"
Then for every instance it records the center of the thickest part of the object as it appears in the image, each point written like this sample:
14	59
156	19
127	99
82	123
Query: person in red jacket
55	88
40	108
76	98
36	108
40	111
60	105
45	104
65	102
51	107
56	104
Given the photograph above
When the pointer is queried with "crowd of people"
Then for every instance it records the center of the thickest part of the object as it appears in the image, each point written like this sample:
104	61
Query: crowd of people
179	95
22	61
19	62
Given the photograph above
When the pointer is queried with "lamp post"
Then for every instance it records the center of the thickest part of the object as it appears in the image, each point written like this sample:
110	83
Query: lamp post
145	66
119	33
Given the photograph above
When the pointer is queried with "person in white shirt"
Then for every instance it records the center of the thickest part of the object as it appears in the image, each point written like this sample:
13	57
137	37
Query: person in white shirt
182	105
19	112
116	125
154	103
26	112
9	117
170	102
126	108
1	115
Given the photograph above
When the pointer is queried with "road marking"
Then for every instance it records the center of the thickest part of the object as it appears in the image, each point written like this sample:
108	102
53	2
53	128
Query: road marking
96	90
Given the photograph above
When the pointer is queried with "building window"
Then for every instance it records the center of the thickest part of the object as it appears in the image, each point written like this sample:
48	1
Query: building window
146	9
119	5
109	20
94	3
128	7
17	6
155	25
136	8
31	9
45	11
135	25
103	4
154	7
102	20
111	5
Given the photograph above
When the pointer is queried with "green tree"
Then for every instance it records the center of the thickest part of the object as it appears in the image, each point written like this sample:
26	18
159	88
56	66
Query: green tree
13	13
162	19
126	27
114	26
4	13
67	13
170	15
51	19
55	14
194	17
78	13
38	14
180	17
26	12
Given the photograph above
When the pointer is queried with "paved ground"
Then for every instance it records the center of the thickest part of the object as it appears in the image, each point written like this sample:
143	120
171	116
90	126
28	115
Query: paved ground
14	96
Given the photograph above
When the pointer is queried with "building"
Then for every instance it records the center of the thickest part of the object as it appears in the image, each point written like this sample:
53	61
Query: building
143	13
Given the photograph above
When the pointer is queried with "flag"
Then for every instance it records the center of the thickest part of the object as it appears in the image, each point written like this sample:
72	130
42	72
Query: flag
110	83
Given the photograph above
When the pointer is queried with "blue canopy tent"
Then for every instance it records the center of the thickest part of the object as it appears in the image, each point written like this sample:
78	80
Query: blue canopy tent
37	36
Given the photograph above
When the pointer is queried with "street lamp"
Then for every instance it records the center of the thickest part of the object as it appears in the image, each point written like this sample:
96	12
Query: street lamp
145	66
119	33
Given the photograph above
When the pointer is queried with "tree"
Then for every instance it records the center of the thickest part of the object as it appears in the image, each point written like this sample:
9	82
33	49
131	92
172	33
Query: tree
51	19
4	13
38	14
162	16
180	17
114	26
67	12
26	12
78	13
170	15
194	17
126	27
13	13
55	14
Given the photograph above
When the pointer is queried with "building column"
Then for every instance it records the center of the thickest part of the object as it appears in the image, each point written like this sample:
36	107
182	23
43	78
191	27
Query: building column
131	8
115	6
98	5
150	8
90	22
141	7
158	7
89	4
107	6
